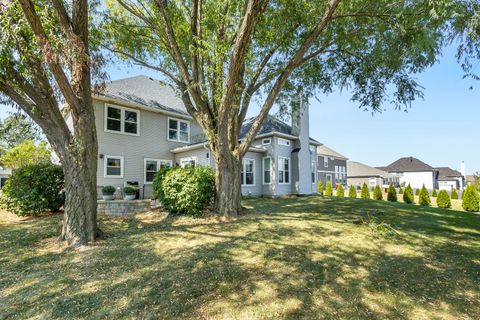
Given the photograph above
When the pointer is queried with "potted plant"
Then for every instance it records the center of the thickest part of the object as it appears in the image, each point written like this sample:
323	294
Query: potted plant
108	192
130	192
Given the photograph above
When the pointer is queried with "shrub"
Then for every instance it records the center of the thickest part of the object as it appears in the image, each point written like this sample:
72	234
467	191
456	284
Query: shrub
372	189
352	192
33	189
471	199
400	191
408	195
424	197
417	192
329	189
443	199
320	187
108	189
340	191
392	193
26	153
377	193
454	194
130	190
365	194
434	193
185	190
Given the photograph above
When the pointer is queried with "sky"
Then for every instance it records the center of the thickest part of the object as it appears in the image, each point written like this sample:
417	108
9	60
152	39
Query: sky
443	129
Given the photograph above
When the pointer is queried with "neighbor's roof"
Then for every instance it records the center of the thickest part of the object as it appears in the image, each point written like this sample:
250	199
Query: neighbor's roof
470	178
145	91
446	173
326	151
408	164
357	169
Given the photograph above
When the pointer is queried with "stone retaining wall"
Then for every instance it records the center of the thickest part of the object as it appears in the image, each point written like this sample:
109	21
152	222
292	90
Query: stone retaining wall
123	208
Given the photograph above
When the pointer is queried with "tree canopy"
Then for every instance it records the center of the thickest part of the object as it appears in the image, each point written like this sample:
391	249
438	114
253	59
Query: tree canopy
16	129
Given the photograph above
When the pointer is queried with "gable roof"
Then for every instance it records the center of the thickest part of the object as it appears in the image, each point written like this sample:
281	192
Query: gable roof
358	169
408	164
326	151
445	173
147	92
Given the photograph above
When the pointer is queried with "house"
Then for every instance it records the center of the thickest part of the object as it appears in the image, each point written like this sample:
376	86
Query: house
4	175
448	179
413	171
142	126
359	173
331	166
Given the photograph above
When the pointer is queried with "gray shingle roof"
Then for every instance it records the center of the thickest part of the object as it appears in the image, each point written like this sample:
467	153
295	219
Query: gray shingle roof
145	91
271	124
357	169
326	151
446	173
408	164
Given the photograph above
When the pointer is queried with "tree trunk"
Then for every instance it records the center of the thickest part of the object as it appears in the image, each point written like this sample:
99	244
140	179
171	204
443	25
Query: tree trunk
228	193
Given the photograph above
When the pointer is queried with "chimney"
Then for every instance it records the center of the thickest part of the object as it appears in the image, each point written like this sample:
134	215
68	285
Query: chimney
462	168
301	157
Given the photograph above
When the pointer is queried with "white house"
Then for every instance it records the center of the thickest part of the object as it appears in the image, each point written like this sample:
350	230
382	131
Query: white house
412	171
449	179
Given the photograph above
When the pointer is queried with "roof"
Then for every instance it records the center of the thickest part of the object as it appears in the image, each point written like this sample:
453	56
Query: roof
357	169
446	173
145	91
326	151
271	124
408	164
199	145
470	178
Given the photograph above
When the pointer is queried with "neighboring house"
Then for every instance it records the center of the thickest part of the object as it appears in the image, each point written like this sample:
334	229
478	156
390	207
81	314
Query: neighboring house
412	171
331	166
359	173
470	179
4	175
142	125
448	179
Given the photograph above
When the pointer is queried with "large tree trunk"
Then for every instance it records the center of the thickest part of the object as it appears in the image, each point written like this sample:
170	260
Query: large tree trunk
228	193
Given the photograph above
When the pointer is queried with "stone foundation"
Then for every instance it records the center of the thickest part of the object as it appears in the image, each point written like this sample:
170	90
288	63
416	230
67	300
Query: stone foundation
123	208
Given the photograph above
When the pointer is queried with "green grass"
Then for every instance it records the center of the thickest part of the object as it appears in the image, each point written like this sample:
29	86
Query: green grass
291	258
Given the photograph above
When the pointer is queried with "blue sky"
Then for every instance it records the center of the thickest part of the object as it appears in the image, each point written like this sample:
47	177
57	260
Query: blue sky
442	129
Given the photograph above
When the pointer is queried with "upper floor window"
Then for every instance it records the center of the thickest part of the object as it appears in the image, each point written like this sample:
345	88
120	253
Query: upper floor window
283	170
283	142
325	162
248	172
178	130
266	141
121	120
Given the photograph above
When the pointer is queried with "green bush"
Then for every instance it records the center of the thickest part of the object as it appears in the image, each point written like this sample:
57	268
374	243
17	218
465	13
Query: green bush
365	194
408	195
424	197
392	193
185	190
454	194
443	199
33	189
417	192
320	187
471	199
329	189
377	193
340	191
434	193
400	191
372	189
352	192
108	189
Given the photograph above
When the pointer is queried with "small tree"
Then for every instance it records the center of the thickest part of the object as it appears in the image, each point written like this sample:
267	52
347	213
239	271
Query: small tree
454	194
377	193
372	189
365	193
408	195
424	197
329	189
400	191
443	199
352	192
392	193
434	193
471	199
340	191
26	153
417	192
320	187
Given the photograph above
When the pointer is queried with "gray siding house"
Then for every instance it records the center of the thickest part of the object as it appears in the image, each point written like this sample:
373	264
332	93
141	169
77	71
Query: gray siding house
142	126
331	166
359	173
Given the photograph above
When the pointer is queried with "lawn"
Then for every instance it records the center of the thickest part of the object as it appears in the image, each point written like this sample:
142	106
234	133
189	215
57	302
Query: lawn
307	258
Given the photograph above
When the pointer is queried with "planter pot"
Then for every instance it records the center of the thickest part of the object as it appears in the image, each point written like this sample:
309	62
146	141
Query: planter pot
108	196
130	196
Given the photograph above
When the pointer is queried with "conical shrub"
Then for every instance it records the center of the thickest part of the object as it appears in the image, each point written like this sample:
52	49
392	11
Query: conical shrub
417	192
329	189
471	199
434	193
400	191
424	197
443	200
340	191
377	193
352	192
454	194
408	195
365	193
392	193
320	187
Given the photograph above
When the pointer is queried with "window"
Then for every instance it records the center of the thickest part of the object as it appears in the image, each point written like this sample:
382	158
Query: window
325	162
248	175
266	141
267	170
313	171
283	142
152	166
372	181
178	130
113	167
328	177
283	170
121	120
188	162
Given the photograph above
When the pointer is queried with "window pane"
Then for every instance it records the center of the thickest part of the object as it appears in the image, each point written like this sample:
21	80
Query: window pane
114	113
183	136
149	176
249	166
113	125
130	116
173	124
151	165
183	126
266	176
165	164
130	127
249	178
172	134
113	171
112	162
280	176
287	177
286	164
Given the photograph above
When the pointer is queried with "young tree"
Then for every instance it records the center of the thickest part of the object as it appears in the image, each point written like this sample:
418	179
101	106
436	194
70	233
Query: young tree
44	65
470	200
352	192
365	194
222	55
434	193
400	191
392	193
454	194
329	189
417	192
424	197
443	200
320	187
408	195
26	153
340	192
377	193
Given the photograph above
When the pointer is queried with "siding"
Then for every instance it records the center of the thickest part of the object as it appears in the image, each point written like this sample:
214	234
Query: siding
330	169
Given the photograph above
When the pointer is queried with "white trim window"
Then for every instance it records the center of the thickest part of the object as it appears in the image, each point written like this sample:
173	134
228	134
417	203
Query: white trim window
178	130
247	175
372	181
266	141
325	162
188	162
113	167
121	120
151	167
313	172
283	142
267	170
283	170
